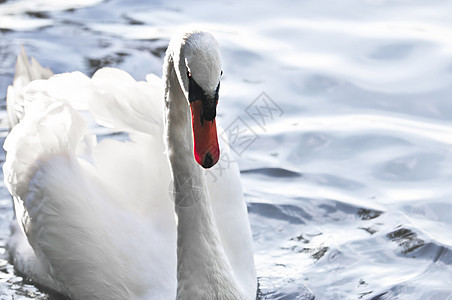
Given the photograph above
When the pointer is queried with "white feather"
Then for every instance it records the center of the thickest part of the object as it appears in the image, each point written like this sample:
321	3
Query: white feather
100	217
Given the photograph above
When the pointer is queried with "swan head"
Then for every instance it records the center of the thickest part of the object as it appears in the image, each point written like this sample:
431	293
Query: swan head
199	73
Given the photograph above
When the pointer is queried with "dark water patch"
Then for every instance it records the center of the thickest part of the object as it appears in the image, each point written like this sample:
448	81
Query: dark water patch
434	252
407	240
316	253
362	283
301	238
159	51
38	14
273	172
75	24
370	230
6	30
284	212
156	47
443	254
111	60
380	296
132	21
337	211
3	103
104	43
368	214
299	244
7	56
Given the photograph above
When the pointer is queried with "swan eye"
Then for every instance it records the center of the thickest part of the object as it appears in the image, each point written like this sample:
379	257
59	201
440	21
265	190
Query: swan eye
221	73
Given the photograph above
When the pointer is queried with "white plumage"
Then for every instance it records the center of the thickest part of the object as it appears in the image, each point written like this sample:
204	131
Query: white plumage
96	219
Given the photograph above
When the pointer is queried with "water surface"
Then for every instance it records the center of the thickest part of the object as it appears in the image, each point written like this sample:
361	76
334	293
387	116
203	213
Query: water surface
338	113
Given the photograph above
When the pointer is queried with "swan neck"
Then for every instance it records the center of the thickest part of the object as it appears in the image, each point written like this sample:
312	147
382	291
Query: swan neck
203	270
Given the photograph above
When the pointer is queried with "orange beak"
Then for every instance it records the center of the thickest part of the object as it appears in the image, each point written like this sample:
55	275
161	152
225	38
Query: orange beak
206	149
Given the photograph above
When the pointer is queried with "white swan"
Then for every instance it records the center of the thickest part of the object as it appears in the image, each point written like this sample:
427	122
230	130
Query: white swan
95	219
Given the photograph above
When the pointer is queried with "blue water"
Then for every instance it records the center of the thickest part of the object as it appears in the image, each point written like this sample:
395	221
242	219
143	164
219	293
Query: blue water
338	113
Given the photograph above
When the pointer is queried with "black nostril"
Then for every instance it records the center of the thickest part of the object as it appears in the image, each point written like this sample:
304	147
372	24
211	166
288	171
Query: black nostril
208	161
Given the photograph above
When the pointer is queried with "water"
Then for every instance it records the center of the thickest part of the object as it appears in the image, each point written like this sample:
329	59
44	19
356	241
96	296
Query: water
346	158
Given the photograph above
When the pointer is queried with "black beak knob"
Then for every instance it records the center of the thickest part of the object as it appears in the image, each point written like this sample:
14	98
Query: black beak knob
209	109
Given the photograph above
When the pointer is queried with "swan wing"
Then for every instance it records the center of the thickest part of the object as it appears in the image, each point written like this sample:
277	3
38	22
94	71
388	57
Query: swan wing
91	234
26	71
123	104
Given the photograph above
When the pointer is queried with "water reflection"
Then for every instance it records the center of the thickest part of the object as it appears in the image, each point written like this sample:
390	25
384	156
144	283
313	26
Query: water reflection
113	60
